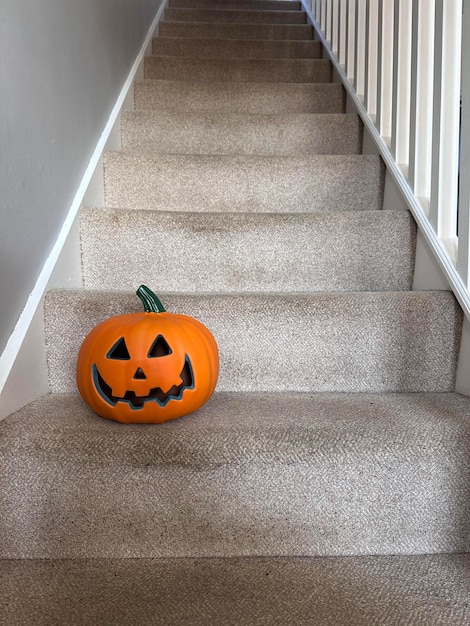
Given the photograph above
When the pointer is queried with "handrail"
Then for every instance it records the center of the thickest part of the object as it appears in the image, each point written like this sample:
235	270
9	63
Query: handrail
406	67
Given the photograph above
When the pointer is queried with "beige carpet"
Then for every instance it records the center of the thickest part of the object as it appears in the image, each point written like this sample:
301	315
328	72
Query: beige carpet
326	483
380	591
249	474
343	342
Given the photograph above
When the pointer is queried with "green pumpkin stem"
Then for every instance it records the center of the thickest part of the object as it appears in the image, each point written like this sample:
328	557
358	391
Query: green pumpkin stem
150	301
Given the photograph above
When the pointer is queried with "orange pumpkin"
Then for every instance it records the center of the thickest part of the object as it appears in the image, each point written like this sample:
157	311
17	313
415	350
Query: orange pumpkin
147	367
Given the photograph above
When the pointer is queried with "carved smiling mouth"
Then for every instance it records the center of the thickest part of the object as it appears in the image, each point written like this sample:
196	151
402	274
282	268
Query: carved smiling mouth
156	394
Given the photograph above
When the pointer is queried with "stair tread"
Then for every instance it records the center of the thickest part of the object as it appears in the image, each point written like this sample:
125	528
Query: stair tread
245	427
350	591
249	183
335	251
238	70
367	341
252	98
232	133
277	474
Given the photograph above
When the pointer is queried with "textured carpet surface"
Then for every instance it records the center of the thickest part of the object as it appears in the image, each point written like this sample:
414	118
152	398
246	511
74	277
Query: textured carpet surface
239	70
335	251
240	49
233	15
231	133
386	591
248	474
248	98
216	30
303	342
199	183
251	5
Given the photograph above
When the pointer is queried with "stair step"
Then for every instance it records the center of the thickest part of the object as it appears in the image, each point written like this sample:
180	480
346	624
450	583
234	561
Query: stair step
223	252
248	98
232	48
238	70
342	342
230	16
244	5
351	591
221	183
235	31
283	474
237	134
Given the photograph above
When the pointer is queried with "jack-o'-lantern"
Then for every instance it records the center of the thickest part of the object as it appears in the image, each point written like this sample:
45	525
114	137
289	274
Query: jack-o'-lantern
147	367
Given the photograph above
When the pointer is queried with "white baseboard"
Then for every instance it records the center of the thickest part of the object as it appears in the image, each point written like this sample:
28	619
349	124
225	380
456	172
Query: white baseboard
23	370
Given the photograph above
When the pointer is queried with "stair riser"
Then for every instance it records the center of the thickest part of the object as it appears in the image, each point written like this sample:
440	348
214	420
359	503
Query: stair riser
243	49
248	98
322	342
248	253
235	17
236	31
238	70
266	184
170	512
181	133
335	499
240	5
170	592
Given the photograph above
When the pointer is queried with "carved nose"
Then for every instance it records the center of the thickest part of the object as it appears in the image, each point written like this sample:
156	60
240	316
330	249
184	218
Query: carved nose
139	374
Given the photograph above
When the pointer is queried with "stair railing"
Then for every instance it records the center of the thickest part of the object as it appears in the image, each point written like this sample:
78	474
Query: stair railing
406	66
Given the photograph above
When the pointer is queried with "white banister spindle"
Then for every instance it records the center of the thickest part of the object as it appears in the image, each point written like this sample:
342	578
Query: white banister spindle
422	62
352	36
361	48
371	75
335	27
395	51
323	16
401	82
463	263
386	70
329	23
446	113
378	108
343	38
326	28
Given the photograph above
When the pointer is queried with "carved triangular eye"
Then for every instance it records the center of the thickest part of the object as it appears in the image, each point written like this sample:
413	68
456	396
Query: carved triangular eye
159	348
119	351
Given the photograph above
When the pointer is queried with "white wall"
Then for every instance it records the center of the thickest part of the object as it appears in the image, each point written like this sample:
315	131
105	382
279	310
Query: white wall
62	65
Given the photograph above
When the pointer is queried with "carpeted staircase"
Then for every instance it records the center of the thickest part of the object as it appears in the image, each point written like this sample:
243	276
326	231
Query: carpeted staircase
327	481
